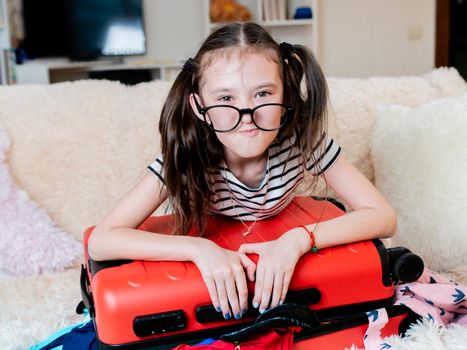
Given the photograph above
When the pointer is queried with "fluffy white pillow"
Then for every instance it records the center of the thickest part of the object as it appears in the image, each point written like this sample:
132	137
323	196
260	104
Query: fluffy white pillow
29	241
420	160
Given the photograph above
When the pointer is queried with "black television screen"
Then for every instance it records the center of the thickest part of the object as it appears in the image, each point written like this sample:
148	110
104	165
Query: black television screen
83	28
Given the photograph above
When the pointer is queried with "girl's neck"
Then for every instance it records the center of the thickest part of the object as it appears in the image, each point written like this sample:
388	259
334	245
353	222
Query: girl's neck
249	171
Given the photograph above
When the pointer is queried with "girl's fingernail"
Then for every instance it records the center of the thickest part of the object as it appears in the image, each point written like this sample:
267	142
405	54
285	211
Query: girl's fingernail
238	316
255	305
218	309
244	311
227	316
281	302
261	311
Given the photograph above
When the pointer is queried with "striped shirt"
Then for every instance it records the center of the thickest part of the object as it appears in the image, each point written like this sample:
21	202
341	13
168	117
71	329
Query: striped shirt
284	172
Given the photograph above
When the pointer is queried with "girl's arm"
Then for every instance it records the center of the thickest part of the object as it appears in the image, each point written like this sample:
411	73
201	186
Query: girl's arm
371	217
116	237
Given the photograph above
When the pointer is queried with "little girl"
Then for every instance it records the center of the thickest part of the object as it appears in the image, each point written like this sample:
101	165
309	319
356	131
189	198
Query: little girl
242	123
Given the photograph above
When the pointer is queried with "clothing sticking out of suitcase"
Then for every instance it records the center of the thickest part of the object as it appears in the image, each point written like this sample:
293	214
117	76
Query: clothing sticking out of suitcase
142	304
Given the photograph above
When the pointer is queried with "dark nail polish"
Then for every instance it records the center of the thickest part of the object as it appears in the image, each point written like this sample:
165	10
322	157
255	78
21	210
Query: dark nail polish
244	311
218	309
238	316
227	316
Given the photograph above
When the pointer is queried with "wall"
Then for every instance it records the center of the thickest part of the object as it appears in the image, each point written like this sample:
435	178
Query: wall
361	38
4	43
175	29
4	33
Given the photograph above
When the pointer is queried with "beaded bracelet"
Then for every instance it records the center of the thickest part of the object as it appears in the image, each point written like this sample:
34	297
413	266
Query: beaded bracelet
314	248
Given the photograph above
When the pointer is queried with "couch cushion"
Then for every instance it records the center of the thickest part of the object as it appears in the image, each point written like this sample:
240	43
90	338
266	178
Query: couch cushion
353	104
420	159
78	147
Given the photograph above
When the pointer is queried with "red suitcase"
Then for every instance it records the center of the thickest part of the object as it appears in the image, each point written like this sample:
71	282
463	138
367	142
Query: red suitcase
350	331
138	304
337	334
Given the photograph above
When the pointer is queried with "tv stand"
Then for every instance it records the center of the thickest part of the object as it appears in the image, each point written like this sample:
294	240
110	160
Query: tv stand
48	71
83	58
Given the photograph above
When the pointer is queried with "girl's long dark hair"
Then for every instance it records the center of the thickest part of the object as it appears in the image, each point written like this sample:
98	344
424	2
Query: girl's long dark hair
191	151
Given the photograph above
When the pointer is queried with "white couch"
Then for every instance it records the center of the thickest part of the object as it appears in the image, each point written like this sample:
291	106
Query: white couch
77	147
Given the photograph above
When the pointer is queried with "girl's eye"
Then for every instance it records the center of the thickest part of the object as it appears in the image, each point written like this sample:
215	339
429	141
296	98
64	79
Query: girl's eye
225	98
263	94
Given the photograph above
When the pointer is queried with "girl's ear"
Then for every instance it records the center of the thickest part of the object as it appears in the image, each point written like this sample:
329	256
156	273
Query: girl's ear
193	105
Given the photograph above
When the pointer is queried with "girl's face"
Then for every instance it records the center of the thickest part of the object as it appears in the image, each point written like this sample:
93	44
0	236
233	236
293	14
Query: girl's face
243	80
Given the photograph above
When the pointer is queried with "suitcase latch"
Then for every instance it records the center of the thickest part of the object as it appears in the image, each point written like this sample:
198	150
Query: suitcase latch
159	323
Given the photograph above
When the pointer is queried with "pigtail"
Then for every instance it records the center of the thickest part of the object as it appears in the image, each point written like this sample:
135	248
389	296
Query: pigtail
187	149
305	88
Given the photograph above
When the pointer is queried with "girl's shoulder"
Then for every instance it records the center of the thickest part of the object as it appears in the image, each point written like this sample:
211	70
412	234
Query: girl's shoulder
283	148
157	167
316	160
157	163
283	143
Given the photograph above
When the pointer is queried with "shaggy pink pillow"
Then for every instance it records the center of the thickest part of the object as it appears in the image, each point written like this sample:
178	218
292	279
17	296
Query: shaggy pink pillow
30	243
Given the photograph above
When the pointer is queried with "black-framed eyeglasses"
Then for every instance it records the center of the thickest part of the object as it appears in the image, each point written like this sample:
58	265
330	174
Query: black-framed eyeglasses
225	118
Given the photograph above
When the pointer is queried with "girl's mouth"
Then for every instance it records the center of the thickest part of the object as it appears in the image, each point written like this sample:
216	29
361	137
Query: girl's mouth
250	132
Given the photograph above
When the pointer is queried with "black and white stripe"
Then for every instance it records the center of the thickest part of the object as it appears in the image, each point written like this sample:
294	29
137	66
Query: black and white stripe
284	172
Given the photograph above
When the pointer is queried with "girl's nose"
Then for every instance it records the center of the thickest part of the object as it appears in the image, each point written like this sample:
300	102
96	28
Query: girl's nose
246	117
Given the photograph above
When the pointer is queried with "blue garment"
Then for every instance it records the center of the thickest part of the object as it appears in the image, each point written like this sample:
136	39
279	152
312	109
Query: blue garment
207	341
77	337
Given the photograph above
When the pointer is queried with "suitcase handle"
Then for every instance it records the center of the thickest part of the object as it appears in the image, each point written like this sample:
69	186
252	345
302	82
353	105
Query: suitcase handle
85	291
305	297
282	316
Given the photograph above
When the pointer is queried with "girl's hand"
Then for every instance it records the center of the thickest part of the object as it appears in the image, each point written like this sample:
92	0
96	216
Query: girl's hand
224	275
276	264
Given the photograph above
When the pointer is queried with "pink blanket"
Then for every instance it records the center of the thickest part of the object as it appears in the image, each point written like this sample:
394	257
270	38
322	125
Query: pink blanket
431	296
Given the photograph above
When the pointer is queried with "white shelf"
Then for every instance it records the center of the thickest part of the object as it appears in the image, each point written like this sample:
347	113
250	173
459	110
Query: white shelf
283	23
288	23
